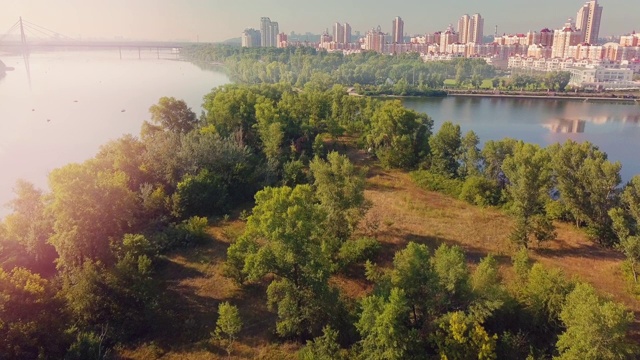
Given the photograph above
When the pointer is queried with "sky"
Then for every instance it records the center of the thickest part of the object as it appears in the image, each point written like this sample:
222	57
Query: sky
219	20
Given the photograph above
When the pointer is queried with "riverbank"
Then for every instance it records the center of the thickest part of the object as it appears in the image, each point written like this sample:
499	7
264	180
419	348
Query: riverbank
549	97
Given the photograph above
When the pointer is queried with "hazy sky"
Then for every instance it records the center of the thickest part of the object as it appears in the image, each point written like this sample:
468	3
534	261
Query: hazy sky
217	20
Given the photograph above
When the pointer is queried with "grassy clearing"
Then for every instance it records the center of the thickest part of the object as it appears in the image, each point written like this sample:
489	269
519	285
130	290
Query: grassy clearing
400	212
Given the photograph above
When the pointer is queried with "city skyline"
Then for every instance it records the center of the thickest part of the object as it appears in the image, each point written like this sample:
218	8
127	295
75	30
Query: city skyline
219	20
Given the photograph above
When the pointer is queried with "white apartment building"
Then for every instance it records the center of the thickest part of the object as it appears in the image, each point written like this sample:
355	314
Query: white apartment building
602	78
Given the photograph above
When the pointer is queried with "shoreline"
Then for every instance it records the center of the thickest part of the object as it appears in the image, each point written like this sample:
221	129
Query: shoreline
548	97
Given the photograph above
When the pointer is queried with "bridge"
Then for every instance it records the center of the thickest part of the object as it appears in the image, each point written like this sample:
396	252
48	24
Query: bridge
40	38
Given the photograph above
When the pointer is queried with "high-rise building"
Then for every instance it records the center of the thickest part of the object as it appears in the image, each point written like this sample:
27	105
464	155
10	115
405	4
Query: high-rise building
471	29
374	40
563	38
448	37
397	30
282	40
269	31
251	38
274	30
588	21
338	33
463	28
476	29
347	33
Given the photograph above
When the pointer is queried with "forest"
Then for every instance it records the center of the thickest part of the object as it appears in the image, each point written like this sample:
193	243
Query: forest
369	73
81	262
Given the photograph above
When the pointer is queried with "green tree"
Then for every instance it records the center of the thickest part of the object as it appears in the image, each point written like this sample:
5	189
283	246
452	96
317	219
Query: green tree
203	194
542	297
324	347
32	319
412	272
399	136
626	220
587	183
470	155
595	328
480	191
494	153
460	337
382	326
529	175
228	325
486	286
121	299
283	238
339	186
445	148
30	226
451	267
173	115
92	208
270	129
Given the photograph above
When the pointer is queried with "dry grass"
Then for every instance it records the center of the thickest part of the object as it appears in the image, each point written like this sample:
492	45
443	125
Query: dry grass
196	286
401	212
433	218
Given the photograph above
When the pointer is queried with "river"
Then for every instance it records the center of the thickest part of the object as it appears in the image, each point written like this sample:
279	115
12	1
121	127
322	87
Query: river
613	127
77	101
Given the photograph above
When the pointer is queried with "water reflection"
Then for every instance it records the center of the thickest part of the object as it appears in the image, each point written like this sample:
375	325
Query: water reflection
613	126
565	126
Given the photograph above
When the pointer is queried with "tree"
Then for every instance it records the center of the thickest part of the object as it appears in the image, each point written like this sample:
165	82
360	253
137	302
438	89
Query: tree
460	337
32	319
542	296
324	347
270	129
228	325
339	186
587	183
122	298
486	284
399	136
283	238
91	208
595	328
30	226
231	108
476	81
470	157
451	267
173	115
203	194
494	153
445	148
382	327
529	176
626	221
412	272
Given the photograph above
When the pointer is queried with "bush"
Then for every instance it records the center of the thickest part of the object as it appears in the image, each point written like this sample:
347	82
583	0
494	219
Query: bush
293	173
557	210
354	251
203	194
437	182
190	232
480	191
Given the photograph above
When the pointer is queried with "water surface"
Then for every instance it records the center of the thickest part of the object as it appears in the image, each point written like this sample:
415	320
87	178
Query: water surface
78	101
614	127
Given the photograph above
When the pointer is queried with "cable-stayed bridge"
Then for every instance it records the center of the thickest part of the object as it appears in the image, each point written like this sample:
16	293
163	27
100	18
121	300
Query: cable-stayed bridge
25	36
